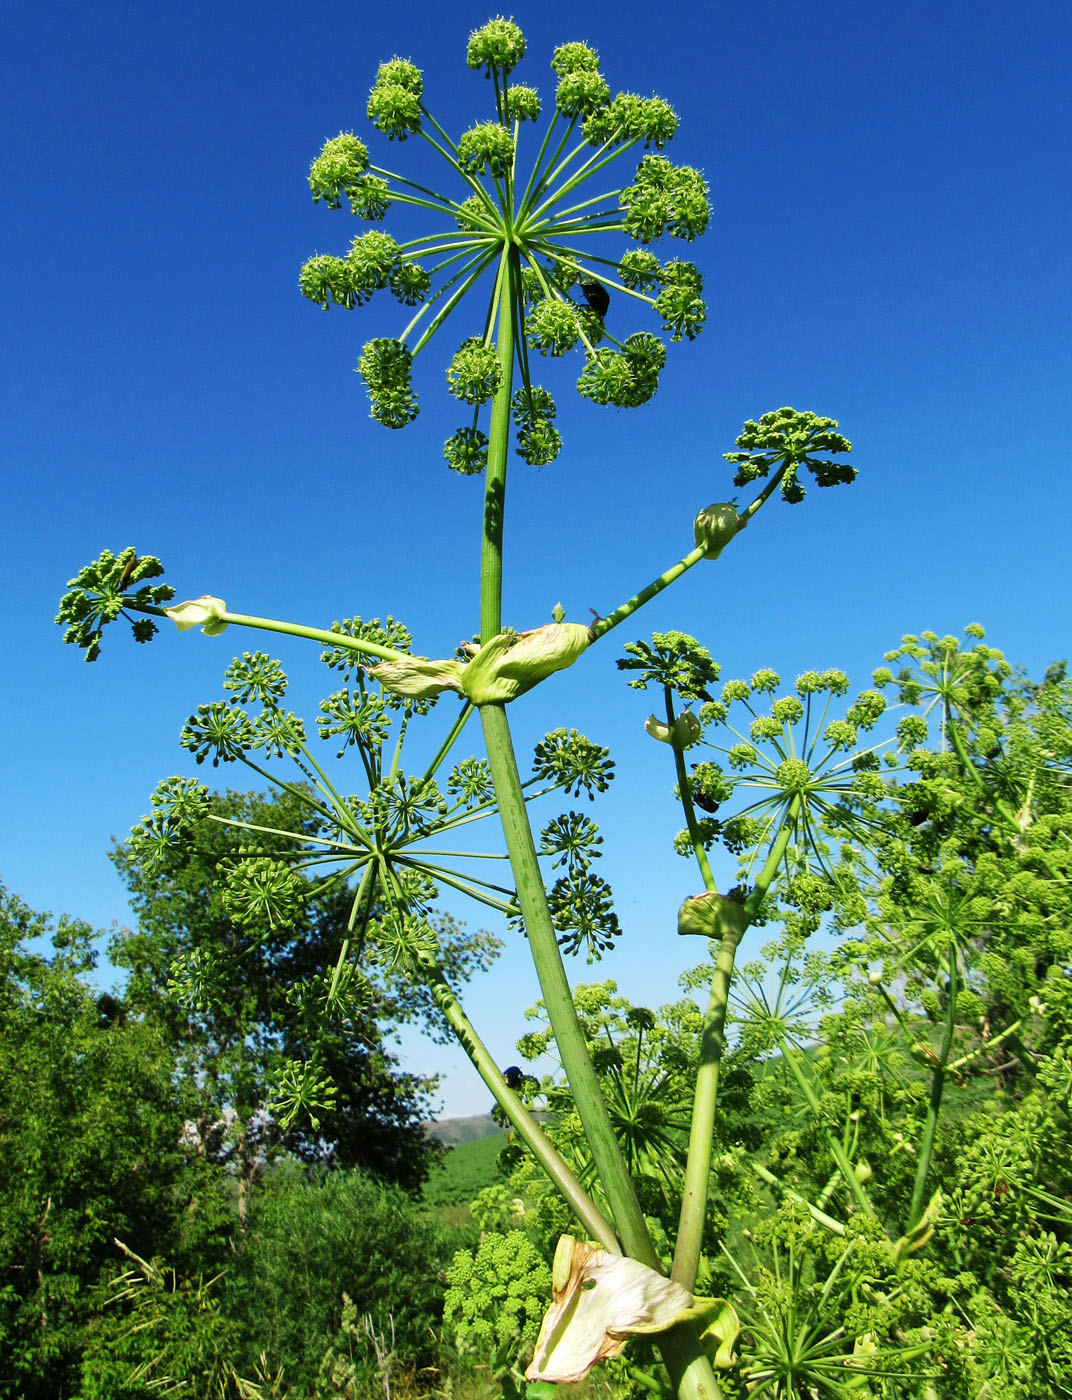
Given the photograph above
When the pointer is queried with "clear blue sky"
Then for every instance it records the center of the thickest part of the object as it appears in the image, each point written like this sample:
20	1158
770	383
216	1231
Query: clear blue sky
890	247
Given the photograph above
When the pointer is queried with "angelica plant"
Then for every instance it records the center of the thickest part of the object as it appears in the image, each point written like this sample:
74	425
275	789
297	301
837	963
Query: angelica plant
536	248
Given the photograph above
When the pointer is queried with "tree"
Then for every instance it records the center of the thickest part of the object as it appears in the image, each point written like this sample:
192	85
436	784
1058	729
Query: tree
265	1008
90	1139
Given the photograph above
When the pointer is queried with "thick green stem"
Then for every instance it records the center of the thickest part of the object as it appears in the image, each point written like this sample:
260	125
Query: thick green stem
705	1099
558	1000
498	449
938	1076
528	878
527	1129
690	1370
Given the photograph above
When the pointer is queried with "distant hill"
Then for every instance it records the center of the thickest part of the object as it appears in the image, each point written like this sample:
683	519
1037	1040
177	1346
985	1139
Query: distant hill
455	1130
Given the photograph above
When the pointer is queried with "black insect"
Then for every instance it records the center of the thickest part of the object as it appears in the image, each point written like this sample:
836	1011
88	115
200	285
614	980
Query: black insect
596	295
514	1077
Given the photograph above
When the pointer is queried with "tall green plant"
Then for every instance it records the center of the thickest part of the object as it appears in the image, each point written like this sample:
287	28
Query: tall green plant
515	239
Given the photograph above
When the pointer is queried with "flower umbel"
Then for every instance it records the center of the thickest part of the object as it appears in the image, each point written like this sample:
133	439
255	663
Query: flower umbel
531	233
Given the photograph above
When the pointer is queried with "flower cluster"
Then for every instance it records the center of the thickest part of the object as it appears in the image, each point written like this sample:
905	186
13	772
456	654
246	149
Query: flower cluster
103	590
785	441
528	237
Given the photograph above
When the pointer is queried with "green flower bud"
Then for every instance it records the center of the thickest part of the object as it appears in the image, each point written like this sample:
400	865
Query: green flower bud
339	168
409	282
512	662
467	451
394	110
640	270
540	444
632	118
581	93
373	258
386	367
475	372
324	279
531	406
553	327
665	198
400	72
710	915
522	104
205	612
683	312
499	44
486	147
574	58
715	526
473	214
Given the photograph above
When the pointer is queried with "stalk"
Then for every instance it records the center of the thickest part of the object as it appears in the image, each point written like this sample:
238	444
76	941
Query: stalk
554	985
528	878
713	1042
705	1099
498	448
526	1127
930	1123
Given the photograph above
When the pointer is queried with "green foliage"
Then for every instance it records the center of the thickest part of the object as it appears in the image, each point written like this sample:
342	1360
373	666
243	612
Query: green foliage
90	1128
314	1240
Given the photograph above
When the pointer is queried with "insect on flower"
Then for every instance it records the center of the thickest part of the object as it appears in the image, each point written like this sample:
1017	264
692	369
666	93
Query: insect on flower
596	295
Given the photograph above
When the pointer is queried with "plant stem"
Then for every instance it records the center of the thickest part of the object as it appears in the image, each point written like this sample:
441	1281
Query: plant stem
313	634
789	1055
498	448
604	624
526	1127
561	1012
528	878
705	1098
930	1123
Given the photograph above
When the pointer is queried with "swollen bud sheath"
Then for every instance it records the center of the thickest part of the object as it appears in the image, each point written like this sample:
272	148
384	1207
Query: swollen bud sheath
683	733
512	662
206	612
715	526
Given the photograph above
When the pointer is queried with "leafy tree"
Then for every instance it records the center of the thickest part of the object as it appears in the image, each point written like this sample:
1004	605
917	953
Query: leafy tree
90	1138
234	1045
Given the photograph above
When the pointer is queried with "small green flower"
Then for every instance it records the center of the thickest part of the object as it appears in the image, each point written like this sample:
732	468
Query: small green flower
486	148
339	169
581	93
567	759
386	367
521	104
574	58
553	327
219	731
475	373
640	270
498	46
466	451
393	107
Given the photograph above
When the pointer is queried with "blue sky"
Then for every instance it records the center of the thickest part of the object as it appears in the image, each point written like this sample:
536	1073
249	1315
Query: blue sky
890	246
